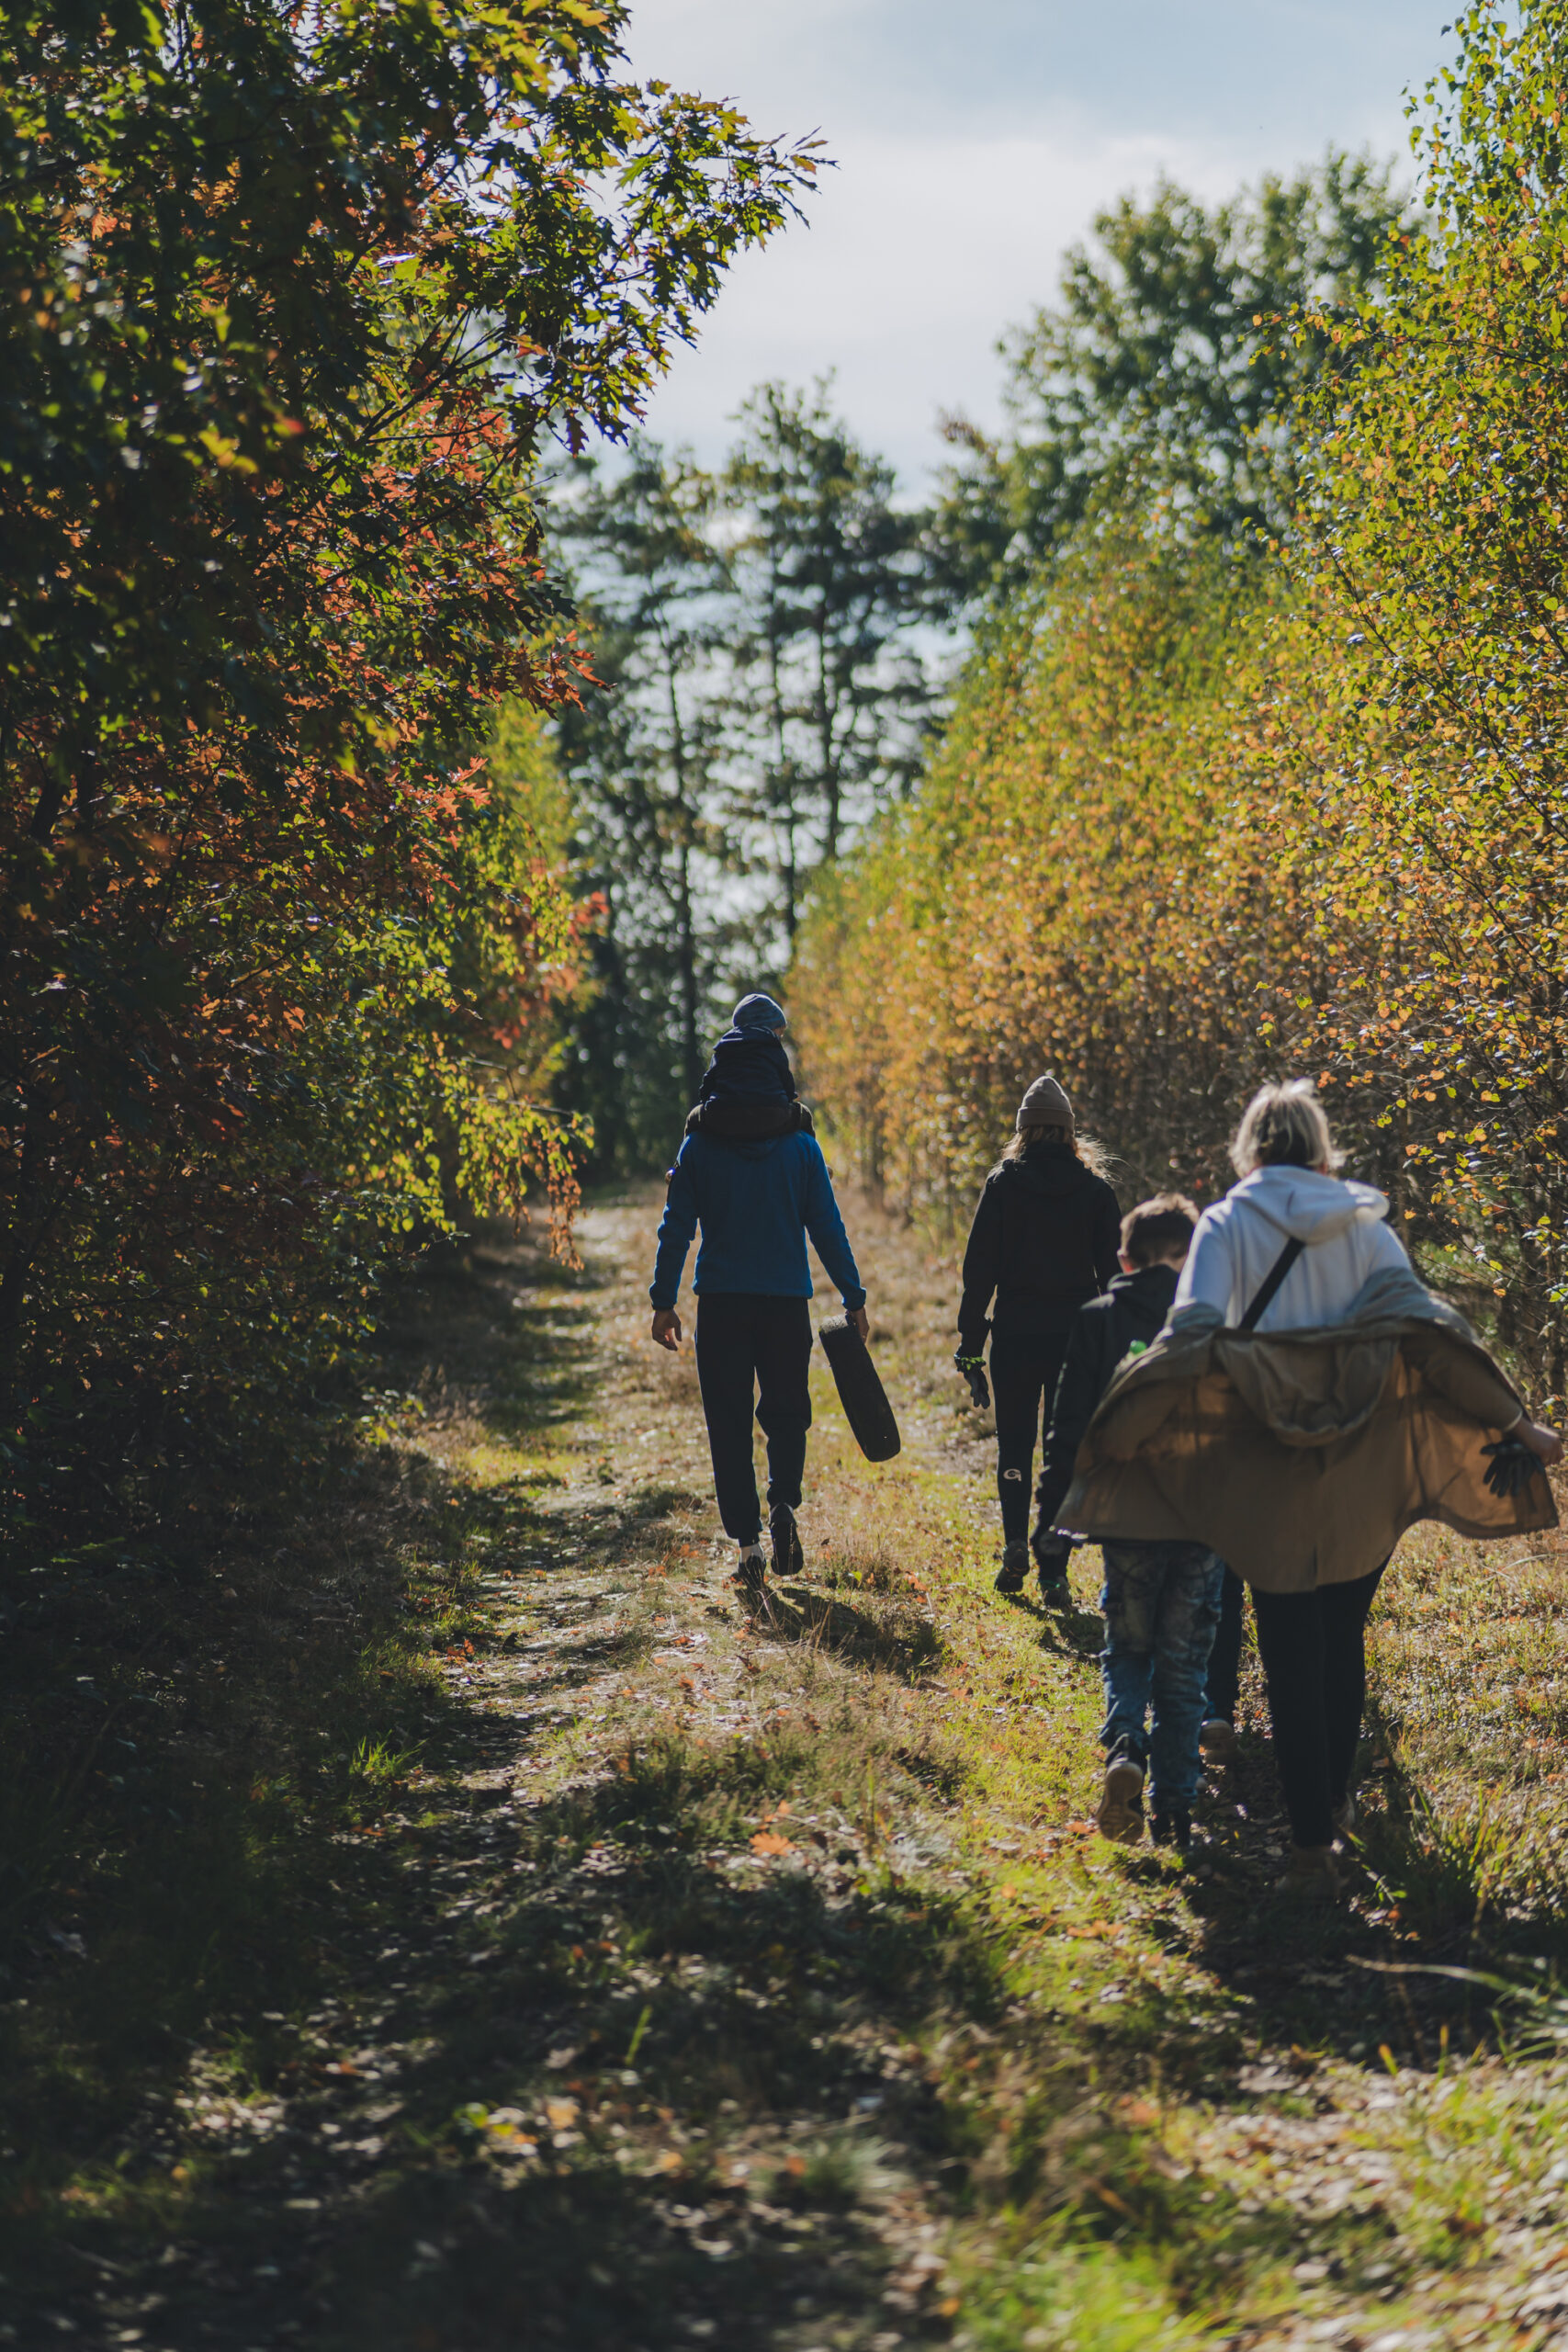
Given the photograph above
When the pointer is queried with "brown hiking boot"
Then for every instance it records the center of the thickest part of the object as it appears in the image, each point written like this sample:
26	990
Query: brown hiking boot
1310	1875
1120	1813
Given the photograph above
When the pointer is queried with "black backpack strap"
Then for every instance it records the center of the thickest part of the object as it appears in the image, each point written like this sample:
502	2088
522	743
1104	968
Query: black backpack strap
1268	1289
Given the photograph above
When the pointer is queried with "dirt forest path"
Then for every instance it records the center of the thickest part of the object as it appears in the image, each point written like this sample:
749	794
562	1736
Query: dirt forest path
675	1976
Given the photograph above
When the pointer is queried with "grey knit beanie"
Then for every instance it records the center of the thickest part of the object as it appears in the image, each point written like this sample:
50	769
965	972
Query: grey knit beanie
1044	1105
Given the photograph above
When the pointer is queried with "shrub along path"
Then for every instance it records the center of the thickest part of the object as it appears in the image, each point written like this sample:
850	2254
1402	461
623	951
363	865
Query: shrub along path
456	1924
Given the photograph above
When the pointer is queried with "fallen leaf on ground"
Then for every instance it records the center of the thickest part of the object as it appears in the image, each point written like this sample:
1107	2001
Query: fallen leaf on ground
1138	2111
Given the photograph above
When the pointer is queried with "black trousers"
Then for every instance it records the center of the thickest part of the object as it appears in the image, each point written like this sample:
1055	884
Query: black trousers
750	1345
1313	1649
1224	1658
1025	1368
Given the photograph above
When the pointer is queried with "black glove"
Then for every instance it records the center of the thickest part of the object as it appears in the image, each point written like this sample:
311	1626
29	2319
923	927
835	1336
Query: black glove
1511	1467
973	1369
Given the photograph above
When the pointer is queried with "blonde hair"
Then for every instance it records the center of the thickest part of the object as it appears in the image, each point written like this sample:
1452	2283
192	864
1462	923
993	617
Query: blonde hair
1095	1157
1285	1126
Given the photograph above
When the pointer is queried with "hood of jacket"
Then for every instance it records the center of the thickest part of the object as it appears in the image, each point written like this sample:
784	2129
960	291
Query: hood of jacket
1050	1171
750	1064
1306	1205
1149	1291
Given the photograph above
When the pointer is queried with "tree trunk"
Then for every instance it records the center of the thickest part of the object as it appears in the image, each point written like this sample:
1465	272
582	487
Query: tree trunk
19	1263
832	780
788	873
690	1048
686	936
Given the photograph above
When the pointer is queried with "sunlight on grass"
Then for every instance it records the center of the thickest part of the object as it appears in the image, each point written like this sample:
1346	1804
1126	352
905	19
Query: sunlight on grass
780	1913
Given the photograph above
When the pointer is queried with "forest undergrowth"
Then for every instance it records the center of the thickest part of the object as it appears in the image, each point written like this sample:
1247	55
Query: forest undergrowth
438	1918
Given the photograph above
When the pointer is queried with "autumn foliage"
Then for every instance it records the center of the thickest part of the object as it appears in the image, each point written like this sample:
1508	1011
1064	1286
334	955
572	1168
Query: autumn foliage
290	298
1203	817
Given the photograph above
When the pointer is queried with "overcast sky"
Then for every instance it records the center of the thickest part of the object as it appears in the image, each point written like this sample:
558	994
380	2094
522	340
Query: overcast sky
976	141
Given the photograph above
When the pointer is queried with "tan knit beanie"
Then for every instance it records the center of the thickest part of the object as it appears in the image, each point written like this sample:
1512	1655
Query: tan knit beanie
1044	1105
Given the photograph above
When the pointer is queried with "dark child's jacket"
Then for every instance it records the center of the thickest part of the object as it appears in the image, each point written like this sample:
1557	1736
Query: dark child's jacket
756	1201
1043	1240
1131	1316
748	1065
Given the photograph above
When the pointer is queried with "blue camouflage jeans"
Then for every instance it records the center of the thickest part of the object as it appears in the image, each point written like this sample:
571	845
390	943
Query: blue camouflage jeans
1161	1605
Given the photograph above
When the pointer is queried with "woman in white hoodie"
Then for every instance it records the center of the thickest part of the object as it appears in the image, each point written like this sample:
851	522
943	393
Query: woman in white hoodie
1312	1643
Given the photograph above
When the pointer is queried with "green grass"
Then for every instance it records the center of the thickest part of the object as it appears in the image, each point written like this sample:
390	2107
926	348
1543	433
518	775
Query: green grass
485	1936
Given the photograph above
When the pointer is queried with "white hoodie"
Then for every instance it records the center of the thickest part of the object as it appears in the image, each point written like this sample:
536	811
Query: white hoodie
1239	1239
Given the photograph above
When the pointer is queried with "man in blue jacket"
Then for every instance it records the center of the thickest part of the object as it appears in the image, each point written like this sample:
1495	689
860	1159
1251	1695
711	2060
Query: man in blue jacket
756	1196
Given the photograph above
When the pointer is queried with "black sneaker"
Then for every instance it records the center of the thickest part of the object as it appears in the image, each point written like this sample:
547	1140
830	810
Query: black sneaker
750	1569
1052	1555
1172	1826
789	1554
1120	1813
1014	1567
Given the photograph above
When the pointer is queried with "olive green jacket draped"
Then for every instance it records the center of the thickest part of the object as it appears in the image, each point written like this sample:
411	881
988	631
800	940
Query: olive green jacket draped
1301	1457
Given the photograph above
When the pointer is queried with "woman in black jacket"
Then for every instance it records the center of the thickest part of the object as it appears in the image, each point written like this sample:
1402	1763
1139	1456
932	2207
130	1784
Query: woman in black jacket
1045	1240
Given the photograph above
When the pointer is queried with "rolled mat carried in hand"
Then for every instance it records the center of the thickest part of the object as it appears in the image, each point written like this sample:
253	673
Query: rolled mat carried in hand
861	1393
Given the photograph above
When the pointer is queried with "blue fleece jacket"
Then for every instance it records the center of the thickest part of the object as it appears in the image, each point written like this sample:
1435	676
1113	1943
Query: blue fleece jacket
756	1202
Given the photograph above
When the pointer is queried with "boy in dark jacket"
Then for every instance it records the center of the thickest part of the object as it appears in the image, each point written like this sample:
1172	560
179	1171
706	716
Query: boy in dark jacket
1161	1601
757	1196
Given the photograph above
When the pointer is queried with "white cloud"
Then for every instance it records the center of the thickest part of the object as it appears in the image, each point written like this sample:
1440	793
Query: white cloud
973	147
916	259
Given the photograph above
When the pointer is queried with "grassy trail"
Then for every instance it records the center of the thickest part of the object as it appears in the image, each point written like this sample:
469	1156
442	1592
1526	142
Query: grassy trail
494	1938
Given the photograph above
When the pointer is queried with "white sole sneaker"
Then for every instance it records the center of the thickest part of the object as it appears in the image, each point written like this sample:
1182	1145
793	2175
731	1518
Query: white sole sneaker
1120	1814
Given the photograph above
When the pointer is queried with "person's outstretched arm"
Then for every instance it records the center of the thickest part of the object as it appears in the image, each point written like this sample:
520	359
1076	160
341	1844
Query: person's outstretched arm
982	1271
830	1240
676	1230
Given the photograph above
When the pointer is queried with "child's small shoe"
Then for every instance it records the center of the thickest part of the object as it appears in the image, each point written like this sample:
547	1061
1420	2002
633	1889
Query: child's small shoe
1172	1825
1120	1813
1216	1742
